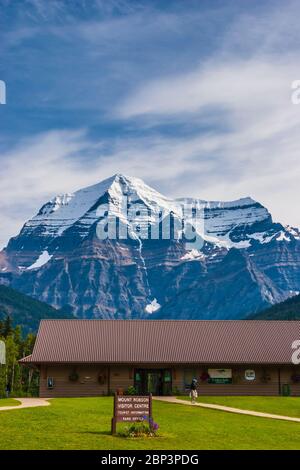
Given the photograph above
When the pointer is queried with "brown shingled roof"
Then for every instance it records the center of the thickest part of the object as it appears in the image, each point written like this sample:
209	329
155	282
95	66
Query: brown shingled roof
165	341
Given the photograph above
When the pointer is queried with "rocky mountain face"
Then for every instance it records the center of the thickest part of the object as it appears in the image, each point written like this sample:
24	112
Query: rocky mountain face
120	249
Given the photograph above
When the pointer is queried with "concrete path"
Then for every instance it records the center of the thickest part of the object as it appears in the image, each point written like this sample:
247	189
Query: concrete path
228	409
26	403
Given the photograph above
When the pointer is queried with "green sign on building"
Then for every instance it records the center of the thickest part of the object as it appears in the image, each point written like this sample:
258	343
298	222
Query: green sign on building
220	380
220	376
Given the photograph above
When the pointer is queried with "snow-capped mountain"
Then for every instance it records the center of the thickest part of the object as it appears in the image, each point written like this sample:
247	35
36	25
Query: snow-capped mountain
119	249
63	211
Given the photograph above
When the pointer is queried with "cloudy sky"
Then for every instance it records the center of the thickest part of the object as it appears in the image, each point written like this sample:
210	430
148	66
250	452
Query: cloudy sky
192	96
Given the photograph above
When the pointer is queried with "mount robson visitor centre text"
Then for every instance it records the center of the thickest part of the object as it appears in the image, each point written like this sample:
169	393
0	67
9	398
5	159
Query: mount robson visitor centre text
99	357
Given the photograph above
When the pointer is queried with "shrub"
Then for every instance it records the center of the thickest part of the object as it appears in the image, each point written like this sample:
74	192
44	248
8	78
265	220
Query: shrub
146	427
130	390
177	392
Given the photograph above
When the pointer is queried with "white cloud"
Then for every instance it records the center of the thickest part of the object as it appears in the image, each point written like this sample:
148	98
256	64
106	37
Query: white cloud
256	154
253	141
235	131
34	170
238	85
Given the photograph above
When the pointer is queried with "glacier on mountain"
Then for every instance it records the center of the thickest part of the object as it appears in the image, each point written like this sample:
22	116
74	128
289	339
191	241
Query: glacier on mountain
219	219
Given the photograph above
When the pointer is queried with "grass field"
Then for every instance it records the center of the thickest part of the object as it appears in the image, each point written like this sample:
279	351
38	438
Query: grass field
84	423
287	406
8	402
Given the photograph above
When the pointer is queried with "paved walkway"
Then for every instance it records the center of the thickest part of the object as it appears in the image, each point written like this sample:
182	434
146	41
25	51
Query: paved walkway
228	409
27	403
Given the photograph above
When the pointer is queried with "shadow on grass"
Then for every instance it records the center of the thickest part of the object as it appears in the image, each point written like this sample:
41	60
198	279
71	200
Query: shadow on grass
119	436
95	433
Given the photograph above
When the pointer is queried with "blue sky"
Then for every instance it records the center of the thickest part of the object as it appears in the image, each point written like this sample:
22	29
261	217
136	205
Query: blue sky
191	96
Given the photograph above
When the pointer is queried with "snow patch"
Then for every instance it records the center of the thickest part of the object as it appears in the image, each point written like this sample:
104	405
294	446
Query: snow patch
226	242
294	292
237	203
193	255
152	307
282	237
220	218
42	259
293	231
262	237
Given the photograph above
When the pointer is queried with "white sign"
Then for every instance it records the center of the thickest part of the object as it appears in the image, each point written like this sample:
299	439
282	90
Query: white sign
220	376
2	353
250	374
220	373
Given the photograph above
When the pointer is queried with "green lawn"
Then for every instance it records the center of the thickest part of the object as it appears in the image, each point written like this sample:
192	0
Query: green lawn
84	423
287	406
8	402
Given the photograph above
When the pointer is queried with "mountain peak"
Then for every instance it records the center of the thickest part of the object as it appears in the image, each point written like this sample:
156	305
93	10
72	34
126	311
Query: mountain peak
137	191
60	257
222	221
64	210
119	184
126	178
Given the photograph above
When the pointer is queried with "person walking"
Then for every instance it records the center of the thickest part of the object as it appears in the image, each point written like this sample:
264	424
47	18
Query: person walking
193	392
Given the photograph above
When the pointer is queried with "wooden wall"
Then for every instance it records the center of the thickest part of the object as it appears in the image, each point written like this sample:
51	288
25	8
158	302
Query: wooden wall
86	386
122	376
266	382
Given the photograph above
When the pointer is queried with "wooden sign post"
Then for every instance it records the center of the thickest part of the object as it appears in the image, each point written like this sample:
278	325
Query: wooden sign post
130	408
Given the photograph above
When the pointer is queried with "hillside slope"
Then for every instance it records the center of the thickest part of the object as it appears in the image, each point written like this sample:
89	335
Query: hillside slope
288	310
25	311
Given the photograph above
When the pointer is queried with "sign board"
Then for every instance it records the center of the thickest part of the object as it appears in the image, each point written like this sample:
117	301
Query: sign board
129	408
2	353
250	374
220	376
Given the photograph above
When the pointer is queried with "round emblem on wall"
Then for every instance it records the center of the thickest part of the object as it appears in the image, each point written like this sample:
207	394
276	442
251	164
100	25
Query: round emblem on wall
250	374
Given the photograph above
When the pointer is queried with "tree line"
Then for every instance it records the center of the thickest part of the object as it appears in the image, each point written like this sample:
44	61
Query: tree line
14	378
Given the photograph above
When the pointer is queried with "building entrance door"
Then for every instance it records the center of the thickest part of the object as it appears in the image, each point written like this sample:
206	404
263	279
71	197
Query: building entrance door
155	381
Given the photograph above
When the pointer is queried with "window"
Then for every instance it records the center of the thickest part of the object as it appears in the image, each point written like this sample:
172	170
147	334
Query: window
137	377
167	376
50	382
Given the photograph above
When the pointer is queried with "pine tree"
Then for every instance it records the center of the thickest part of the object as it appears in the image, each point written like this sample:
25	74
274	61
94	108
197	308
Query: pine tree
7	327
22	380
